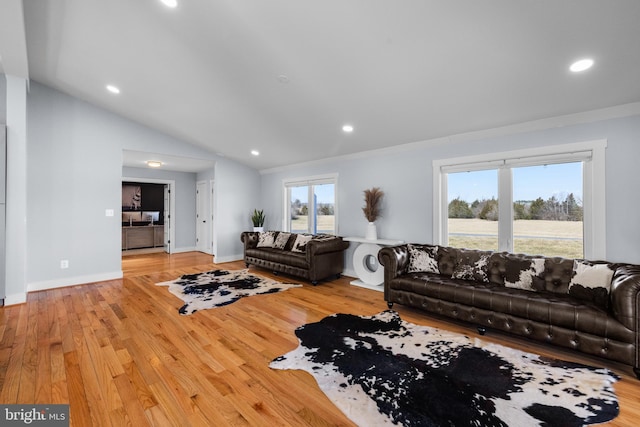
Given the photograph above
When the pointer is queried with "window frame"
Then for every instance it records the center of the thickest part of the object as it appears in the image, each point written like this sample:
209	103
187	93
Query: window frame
590	153
310	182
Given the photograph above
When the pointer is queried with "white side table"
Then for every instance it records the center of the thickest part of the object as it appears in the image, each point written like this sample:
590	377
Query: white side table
365	261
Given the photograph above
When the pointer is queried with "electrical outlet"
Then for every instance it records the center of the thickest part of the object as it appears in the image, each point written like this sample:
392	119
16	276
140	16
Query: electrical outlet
109	212
64	263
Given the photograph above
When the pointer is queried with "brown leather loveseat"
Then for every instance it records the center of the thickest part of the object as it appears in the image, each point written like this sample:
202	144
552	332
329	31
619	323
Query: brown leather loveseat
591	307
312	257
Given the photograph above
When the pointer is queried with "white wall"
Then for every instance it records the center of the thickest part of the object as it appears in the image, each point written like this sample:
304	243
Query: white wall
405	175
3	212
185	202
237	194
16	198
74	173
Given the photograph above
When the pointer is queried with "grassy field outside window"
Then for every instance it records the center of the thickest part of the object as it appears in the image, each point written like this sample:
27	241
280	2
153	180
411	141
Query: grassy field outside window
325	224
533	237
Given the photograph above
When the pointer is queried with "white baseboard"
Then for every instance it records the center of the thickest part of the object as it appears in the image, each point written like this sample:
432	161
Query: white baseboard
13	299
230	258
72	281
349	272
360	283
181	250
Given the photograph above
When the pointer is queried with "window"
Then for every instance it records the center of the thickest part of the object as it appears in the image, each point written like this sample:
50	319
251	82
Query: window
473	214
311	205
548	210
547	201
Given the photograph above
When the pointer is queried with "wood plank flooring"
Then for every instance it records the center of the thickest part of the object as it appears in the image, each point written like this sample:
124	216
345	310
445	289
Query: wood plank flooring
120	354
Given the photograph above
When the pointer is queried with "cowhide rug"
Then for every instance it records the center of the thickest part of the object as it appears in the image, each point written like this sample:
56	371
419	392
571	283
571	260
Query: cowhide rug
220	287
380	370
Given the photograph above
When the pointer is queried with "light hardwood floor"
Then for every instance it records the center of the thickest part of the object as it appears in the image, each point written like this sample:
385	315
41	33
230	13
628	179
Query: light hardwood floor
120	354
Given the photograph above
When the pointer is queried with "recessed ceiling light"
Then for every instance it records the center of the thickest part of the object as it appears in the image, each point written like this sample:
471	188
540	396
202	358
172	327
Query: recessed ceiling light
154	163
113	89
347	128
581	65
170	3
255	152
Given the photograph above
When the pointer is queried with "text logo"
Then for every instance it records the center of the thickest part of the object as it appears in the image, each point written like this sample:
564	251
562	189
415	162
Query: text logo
34	415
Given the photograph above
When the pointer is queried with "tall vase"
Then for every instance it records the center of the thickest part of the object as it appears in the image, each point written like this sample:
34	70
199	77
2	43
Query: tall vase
372	232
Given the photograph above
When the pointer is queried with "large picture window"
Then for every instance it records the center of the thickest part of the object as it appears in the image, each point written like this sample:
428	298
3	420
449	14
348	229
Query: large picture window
547	201
310	205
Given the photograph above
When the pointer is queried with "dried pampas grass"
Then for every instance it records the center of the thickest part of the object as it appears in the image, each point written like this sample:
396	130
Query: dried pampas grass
372	199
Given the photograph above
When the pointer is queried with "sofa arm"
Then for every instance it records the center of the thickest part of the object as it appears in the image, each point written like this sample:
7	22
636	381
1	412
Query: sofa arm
625	296
250	239
394	259
322	246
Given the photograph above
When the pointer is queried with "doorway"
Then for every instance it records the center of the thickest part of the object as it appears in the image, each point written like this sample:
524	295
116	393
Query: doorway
164	239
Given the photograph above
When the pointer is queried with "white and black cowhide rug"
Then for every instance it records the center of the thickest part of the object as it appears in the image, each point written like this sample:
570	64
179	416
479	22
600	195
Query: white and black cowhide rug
380	370
220	287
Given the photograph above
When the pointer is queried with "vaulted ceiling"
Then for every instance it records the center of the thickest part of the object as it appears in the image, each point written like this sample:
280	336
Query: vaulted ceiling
283	76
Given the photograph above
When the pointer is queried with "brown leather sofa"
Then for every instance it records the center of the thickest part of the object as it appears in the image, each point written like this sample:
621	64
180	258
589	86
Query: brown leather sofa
312	257
591	307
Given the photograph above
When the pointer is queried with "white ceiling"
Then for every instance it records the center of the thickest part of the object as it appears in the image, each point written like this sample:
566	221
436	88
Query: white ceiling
208	72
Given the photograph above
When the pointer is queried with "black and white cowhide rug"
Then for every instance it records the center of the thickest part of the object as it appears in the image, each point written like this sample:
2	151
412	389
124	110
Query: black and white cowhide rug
220	287
380	370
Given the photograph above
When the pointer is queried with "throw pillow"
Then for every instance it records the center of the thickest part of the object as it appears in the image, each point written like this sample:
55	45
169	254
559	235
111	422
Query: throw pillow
300	245
558	272
472	265
591	282
526	275
324	236
266	239
422	259
281	240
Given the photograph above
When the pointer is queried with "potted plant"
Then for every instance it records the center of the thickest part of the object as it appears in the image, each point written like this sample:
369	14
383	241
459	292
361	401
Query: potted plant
257	218
371	209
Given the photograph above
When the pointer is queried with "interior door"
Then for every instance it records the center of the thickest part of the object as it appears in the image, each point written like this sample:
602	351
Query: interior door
167	219
201	217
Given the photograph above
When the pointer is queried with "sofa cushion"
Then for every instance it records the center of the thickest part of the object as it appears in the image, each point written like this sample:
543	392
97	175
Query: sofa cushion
447	260
591	282
300	244
523	272
281	240
422	258
266	239
472	265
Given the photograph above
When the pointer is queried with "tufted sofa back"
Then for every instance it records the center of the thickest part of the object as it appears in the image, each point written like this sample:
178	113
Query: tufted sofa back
507	267
528	272
555	277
